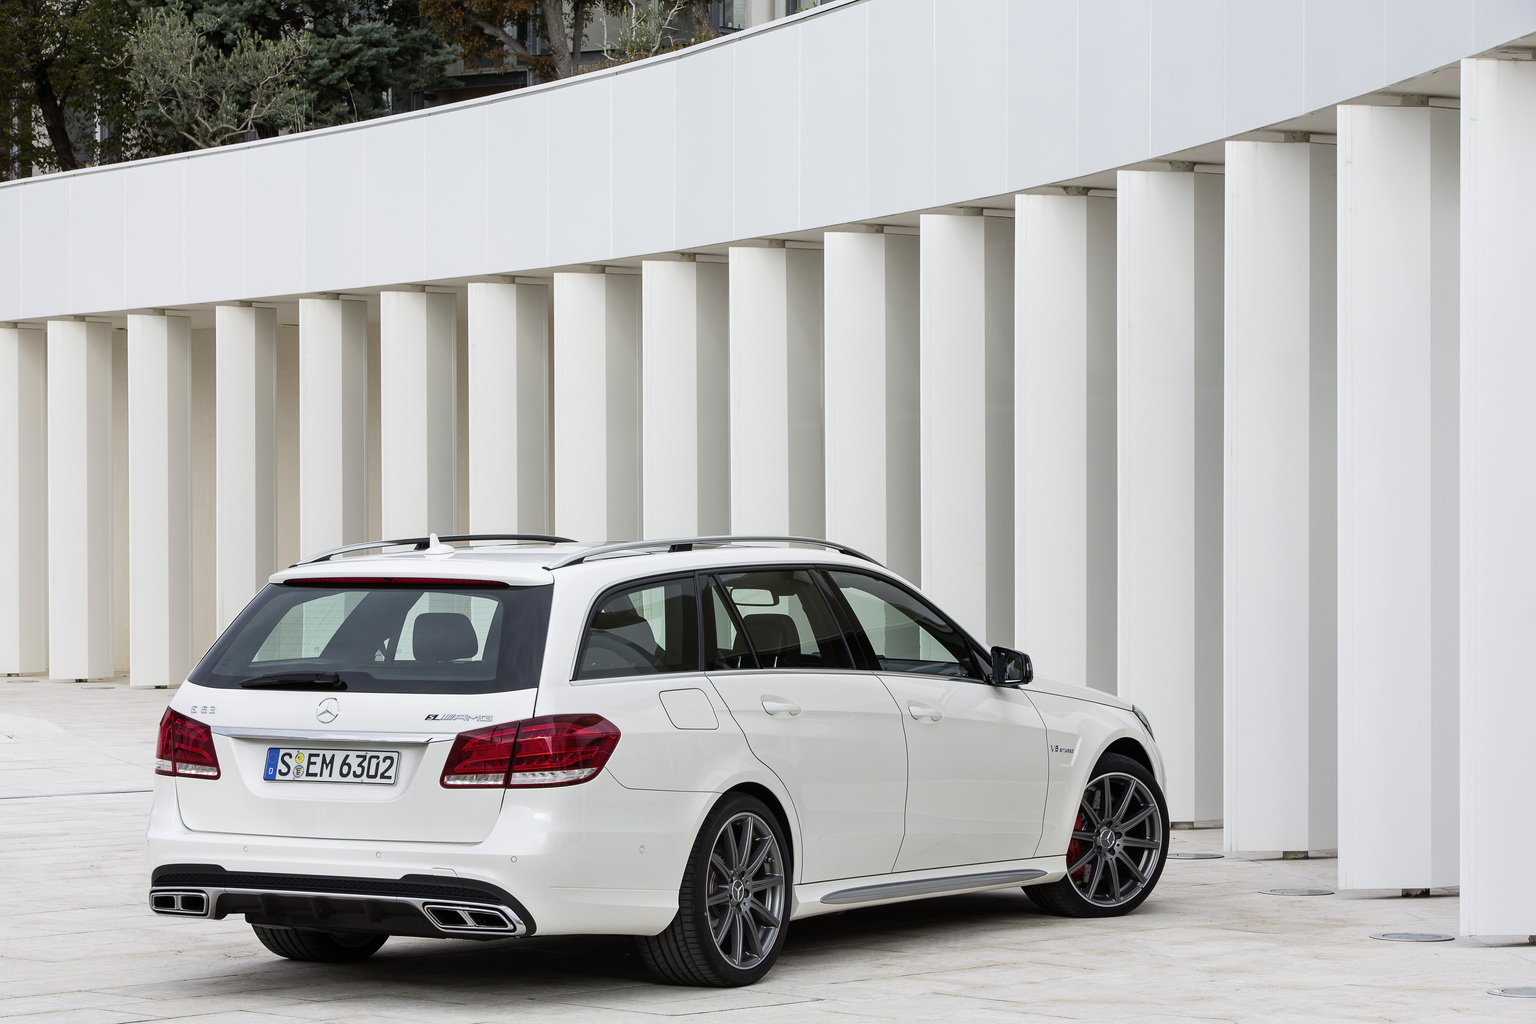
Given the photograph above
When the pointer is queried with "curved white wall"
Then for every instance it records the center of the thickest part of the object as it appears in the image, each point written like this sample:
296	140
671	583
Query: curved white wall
850	111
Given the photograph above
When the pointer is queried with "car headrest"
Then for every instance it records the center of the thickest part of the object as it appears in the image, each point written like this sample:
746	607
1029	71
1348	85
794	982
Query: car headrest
443	636
773	634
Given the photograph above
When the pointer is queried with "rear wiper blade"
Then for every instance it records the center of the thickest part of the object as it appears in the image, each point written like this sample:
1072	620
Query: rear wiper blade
297	681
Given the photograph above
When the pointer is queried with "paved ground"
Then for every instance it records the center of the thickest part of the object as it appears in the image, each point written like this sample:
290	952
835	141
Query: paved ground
77	944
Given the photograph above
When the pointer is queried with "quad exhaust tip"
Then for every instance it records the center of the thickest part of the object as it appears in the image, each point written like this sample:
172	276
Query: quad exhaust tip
456	917
183	902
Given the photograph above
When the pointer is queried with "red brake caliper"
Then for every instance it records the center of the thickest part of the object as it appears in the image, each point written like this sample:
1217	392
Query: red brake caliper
1075	847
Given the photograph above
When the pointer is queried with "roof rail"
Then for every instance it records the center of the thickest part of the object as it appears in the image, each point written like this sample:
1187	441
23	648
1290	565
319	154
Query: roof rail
423	543
689	543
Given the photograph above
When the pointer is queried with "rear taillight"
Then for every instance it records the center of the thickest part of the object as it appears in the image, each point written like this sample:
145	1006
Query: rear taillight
555	750
185	748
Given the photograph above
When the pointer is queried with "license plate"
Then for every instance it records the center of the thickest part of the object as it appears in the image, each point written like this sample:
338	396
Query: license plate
301	764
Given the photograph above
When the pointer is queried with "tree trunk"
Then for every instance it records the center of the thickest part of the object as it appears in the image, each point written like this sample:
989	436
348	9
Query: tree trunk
54	118
559	43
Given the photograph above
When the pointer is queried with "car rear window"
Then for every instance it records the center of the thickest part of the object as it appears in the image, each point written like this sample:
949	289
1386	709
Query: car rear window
402	639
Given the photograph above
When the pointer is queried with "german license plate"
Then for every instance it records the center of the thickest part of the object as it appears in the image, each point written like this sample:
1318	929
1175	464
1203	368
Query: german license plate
302	764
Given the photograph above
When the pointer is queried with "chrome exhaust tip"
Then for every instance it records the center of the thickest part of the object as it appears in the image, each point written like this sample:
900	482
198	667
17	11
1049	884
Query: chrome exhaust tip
462	918
180	902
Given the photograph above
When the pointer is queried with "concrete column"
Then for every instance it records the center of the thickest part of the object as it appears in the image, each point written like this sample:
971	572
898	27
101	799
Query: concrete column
333	423
418	384
23	501
966	420
1169	424
597	406
159	499
777	482
1280	697
246	465
871	396
685	398
1498	492
79	499
1065	437
508	408
1397	675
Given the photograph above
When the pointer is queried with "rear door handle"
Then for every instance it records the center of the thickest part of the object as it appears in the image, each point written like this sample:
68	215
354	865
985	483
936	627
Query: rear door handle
923	711
779	706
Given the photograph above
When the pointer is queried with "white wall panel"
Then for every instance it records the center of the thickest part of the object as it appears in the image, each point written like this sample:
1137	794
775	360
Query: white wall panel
645	113
214	225
705	118
834	137
24	505
336	176
508	397
418	377
394	227
45	245
581	168
517	231
1042	91
1263	63
245	437
767	88
155	231
901	104
333	423
1112	85
454	174
971	137
1184	84
1344	40
97	221
1420	34
1498	491
10	249
277	225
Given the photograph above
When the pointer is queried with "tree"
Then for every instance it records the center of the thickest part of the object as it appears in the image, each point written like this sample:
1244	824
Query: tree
207	96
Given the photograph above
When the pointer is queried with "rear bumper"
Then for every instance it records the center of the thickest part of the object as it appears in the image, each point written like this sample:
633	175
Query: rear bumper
430	906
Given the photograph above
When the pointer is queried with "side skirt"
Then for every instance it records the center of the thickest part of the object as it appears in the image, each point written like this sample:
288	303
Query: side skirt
829	897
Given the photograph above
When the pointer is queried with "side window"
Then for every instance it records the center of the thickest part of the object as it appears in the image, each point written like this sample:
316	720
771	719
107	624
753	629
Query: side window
904	633
647	629
725	646
786	619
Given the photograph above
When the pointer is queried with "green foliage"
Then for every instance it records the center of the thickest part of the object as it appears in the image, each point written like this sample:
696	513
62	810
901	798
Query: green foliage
207	96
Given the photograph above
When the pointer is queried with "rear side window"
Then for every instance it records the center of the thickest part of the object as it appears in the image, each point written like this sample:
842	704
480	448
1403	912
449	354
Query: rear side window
645	629
405	639
787	621
904	633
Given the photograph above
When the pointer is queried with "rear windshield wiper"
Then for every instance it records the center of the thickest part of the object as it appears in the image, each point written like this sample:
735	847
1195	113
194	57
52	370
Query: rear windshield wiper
296	681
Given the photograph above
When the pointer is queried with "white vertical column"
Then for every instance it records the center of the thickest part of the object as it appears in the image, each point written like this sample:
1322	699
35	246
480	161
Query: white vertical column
246	490
23	501
966	419
1498	492
508	407
777	482
685	398
872	396
159	499
1398	197
418	408
1280	698
333	423
1169	425
1065	440
597	406
79	499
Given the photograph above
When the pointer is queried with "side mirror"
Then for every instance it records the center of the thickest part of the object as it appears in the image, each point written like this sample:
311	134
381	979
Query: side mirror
1010	667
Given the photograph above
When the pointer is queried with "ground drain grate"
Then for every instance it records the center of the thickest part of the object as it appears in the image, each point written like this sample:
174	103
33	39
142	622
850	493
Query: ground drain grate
1518	992
1412	936
1296	892
1195	856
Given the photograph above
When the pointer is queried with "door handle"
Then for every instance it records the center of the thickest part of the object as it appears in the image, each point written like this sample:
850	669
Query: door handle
923	711
779	706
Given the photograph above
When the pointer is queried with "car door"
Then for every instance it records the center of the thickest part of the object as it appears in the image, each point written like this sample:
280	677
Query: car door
976	754
833	735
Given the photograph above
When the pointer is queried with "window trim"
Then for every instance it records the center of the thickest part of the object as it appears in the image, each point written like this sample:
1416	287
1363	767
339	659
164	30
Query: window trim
867	649
809	568
639	583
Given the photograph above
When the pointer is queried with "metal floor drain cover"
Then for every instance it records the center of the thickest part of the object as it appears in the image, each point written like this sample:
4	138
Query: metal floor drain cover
1195	856
1296	892
1519	992
1412	936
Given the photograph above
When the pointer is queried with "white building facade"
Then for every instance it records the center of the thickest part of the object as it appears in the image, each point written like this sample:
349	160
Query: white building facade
1182	345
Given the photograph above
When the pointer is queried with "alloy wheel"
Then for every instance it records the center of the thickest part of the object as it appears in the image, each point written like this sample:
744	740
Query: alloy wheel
744	891
1116	840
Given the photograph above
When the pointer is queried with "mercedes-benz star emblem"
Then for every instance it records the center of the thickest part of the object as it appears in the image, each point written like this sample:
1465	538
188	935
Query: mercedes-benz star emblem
327	710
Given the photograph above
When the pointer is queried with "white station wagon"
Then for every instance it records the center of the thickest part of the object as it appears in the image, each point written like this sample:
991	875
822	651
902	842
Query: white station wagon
690	741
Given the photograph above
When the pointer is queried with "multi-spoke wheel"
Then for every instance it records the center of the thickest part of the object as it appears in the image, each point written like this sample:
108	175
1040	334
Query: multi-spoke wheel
733	906
1119	843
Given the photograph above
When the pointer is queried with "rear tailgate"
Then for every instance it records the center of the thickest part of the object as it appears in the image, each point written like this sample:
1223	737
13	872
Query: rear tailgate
414	807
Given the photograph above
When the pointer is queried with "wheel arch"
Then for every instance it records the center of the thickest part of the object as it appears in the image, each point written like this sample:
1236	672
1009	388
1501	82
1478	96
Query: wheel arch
1129	747
771	799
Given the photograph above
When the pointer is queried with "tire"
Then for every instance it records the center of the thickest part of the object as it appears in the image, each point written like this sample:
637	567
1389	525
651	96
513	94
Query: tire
319	947
733	905
1112	865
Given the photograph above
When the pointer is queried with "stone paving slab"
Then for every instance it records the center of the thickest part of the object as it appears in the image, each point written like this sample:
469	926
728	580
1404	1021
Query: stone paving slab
77	944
